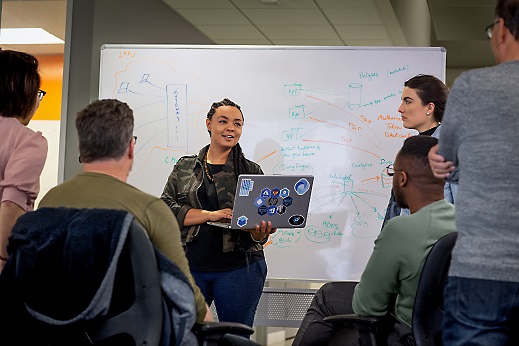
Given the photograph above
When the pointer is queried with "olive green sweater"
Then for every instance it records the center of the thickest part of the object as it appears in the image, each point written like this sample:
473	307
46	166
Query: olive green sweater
96	190
398	258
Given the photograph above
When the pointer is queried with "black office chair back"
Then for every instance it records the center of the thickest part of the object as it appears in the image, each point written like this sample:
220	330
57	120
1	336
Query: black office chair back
139	318
428	306
133	308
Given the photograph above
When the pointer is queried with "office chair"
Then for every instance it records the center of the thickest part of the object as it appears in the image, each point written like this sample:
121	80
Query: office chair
85	277
428	307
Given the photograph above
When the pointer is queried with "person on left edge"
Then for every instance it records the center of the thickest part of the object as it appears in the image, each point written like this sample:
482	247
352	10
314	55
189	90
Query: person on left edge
22	151
228	265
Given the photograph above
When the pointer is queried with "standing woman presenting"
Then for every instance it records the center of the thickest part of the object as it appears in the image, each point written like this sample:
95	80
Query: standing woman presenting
423	103
228	265
22	151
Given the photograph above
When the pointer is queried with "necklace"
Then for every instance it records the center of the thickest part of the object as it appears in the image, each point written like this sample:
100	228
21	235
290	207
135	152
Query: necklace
207	173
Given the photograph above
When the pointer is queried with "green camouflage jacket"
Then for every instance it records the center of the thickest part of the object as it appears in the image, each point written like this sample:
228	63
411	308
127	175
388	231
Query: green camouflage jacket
180	194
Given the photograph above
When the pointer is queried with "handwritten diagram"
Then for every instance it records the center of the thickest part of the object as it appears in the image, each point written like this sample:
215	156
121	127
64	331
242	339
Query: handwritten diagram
328	113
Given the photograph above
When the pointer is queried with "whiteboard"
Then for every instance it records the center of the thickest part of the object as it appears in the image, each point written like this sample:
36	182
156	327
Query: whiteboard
326	111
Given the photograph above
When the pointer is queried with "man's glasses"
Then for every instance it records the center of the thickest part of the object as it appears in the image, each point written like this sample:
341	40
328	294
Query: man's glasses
134	139
41	93
489	29
390	170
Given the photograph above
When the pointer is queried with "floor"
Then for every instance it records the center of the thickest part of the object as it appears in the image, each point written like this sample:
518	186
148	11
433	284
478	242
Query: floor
285	343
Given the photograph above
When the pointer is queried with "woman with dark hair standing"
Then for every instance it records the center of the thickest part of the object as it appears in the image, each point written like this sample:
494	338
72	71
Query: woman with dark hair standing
423	103
22	151
228	265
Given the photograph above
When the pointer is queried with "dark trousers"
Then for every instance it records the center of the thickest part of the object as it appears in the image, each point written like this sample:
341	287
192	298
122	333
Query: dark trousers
236	293
333	298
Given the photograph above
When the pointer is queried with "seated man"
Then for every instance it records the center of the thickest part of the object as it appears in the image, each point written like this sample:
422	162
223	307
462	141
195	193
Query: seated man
106	148
399	254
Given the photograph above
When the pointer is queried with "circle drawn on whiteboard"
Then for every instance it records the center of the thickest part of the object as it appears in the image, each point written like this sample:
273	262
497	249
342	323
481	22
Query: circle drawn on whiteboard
302	186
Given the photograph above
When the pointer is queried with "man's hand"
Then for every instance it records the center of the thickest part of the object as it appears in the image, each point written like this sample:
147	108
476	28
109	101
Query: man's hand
439	166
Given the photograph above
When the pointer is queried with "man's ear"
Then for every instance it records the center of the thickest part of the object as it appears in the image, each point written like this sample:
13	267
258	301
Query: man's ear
403	178
131	150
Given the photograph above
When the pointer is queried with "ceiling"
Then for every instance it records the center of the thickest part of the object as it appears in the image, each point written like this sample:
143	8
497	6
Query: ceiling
457	25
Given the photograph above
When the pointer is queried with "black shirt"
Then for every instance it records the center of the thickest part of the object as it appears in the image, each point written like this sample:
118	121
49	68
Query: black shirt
205	252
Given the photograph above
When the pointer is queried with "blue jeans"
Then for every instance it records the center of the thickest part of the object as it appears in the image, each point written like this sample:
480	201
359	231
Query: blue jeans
236	293
481	312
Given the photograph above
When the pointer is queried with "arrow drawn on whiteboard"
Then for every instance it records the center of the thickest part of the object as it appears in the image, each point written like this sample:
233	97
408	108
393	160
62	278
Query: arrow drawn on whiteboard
354	204
336	125
346	145
348	113
356	194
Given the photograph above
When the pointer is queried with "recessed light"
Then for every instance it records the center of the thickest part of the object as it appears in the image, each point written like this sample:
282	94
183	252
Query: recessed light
28	36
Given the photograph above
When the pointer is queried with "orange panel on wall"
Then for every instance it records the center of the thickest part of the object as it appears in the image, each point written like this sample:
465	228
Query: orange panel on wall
51	71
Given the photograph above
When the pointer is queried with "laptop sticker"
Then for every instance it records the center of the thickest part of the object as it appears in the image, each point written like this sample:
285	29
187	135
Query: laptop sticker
246	186
265	193
296	220
262	210
302	186
242	221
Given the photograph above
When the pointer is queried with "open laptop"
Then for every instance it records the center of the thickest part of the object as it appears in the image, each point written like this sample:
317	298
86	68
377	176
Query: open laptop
280	199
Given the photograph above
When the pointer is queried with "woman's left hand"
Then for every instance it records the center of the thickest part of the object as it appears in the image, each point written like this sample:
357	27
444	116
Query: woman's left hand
262	231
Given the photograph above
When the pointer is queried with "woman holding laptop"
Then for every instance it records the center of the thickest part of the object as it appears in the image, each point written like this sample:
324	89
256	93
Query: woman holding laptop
228	265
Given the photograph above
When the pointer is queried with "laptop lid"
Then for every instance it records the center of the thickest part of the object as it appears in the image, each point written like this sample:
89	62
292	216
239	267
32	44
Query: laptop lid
280	199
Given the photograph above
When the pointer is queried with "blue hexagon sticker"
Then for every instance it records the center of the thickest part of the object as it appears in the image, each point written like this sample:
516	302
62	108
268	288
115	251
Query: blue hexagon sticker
275	192
287	201
284	192
265	193
272	210
242	221
258	201
262	210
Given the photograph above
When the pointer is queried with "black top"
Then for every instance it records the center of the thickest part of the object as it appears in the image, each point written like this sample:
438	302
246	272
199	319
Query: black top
205	252
429	132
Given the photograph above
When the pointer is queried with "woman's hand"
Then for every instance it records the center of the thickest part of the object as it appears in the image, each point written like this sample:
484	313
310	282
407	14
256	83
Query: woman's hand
221	214
262	231
200	216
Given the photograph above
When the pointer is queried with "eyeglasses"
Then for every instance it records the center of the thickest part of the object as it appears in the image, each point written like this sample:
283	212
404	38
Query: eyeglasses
41	93
390	170
134	139
489	29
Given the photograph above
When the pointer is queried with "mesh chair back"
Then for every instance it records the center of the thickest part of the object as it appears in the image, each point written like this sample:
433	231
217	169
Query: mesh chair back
428	306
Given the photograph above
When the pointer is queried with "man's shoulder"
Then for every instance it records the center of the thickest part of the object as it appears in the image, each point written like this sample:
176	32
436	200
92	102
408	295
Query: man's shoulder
406	222
481	75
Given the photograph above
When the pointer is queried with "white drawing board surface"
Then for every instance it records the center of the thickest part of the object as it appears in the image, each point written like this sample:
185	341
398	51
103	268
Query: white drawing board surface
326	111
